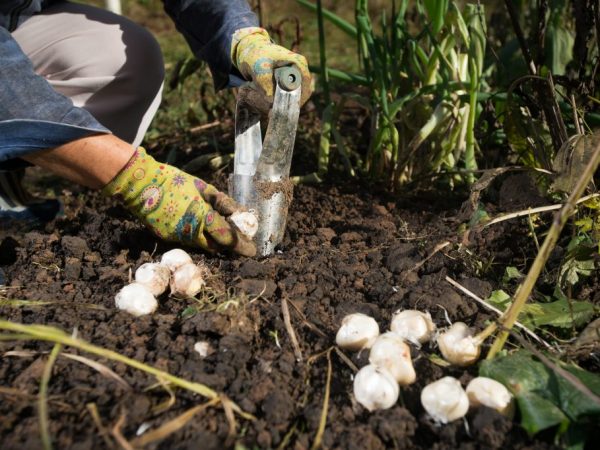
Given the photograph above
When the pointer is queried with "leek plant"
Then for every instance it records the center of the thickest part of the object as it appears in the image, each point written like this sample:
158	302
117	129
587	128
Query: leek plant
422	79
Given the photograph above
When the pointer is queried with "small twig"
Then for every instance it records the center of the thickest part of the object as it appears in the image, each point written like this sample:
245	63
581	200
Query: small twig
531	211
288	326
204	127
171	426
100	368
347	360
230	416
482	302
306	322
93	410
436	249
116	432
323	421
43	397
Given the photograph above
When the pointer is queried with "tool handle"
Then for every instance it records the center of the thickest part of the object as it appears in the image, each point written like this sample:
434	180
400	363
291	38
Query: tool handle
288	78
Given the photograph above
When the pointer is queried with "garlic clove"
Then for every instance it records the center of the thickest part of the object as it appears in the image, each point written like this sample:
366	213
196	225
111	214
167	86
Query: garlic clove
154	276
458	345
488	392
357	331
175	258
188	280
203	348
413	326
246	222
375	388
390	352
136	299
445	400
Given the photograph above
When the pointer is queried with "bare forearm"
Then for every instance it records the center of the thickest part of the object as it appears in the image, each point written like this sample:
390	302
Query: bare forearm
91	161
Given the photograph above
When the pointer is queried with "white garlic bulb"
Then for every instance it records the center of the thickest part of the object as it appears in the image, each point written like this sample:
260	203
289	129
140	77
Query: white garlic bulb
154	276
458	345
175	258
246	222
375	388
390	352
188	280
488	392
413	326
136	299
357	331
445	400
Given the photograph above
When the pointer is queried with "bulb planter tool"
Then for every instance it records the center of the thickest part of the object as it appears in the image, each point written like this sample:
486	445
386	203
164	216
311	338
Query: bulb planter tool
261	169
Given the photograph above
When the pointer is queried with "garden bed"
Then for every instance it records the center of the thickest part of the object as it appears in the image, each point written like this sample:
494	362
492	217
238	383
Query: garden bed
346	249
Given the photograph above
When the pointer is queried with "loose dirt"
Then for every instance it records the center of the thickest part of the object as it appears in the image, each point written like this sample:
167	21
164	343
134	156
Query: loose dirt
344	251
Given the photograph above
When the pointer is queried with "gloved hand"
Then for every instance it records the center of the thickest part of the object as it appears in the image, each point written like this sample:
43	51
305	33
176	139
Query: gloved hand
178	207
256	56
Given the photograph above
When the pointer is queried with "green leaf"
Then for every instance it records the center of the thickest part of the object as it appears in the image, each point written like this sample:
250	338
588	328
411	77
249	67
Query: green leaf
499	299
511	273
545	398
574	402
189	312
562	313
537	413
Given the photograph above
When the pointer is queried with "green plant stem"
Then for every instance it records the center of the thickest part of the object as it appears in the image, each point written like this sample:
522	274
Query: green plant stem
43	398
51	334
560	219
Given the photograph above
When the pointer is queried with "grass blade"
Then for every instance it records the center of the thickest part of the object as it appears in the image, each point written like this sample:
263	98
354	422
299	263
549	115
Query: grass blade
43	398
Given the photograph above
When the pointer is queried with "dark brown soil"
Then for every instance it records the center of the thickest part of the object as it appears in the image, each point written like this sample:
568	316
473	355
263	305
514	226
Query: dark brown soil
345	251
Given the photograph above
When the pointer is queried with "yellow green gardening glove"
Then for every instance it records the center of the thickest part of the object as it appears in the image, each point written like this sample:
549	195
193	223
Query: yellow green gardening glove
178	207
256	57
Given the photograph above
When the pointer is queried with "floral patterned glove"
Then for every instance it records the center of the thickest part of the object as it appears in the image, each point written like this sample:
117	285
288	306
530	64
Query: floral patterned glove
256	56
178	207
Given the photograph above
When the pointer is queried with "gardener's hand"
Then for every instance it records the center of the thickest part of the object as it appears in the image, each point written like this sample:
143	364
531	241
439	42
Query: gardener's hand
256	57
177	206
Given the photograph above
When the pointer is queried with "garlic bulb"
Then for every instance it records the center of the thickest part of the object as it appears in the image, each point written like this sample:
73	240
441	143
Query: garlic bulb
188	280
390	352
246	222
458	345
375	388
136	299
413	326
154	276
357	331
175	258
445	400
488	392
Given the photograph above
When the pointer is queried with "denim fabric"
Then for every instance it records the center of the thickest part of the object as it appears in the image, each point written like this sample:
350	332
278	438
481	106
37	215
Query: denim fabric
208	26
33	116
27	100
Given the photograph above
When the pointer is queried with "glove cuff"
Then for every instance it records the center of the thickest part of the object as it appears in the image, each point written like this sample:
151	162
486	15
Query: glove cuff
237	46
130	181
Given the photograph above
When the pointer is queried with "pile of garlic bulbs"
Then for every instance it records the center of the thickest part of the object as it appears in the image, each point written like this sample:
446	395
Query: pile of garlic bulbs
377	385
176	271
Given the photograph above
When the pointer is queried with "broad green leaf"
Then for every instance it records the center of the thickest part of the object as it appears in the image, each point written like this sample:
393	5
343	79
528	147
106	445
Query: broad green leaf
545	398
537	413
574	402
560	313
